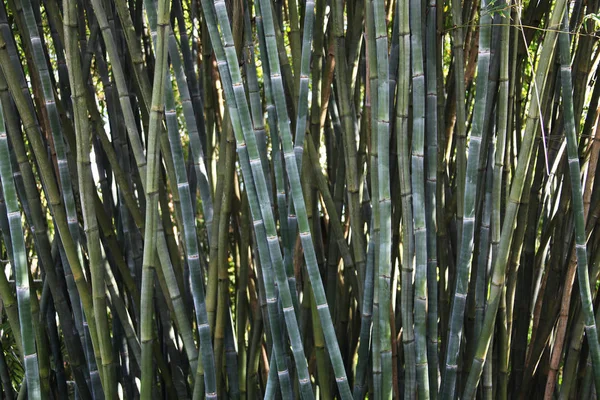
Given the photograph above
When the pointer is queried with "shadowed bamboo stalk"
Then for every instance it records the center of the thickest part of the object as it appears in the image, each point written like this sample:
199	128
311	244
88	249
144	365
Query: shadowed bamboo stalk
470	199
516	190
384	271
418	196
153	154
303	225
431	158
87	188
578	206
255	183
408	244
21	268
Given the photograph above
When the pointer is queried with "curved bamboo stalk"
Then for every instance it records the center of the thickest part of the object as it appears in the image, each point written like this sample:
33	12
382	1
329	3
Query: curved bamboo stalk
21	268
87	188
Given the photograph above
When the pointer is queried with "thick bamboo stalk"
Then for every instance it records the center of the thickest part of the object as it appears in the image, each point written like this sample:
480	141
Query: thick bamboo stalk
418	193
578	206
21	268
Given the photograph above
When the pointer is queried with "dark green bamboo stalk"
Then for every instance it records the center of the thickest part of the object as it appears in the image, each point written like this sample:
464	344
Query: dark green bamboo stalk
502	127
408	244
21	268
431	149
45	170
578	208
516	190
303	225
149	262
383	197
418	193
87	188
248	155
469	201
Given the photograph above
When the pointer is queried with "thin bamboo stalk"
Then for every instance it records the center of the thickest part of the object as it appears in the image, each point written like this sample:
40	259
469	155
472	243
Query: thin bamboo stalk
431	159
149	262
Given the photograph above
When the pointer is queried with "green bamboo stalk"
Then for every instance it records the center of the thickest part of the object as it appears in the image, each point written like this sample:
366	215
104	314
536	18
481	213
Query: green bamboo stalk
189	234
516	190
470	199
371	126
49	184
50	104
500	145
303	225
87	188
384	270
256	110
348	119
28	340
460	124
41	341
418	192
242	305
223	275
431	149
260	225
366	318
408	237
577	199
194	136
153	153
303	74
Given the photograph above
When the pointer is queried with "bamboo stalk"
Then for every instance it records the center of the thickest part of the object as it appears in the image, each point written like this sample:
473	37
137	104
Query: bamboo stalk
21	267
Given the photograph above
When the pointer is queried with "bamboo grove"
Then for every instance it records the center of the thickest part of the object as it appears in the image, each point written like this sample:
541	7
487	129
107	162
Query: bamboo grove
243	199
